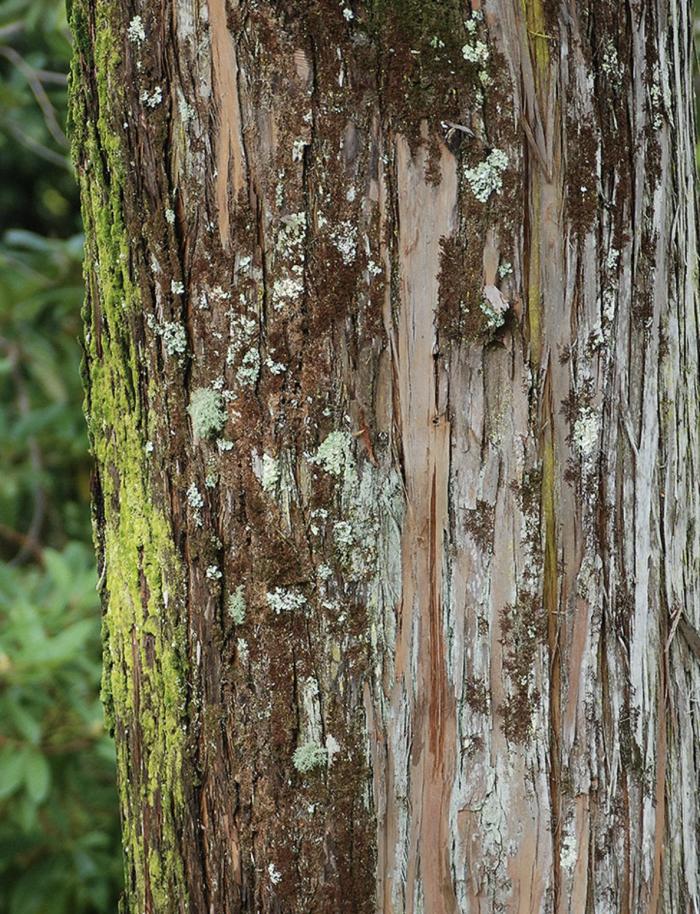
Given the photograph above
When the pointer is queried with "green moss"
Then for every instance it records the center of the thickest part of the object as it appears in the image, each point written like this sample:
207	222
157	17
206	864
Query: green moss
424	74
144	647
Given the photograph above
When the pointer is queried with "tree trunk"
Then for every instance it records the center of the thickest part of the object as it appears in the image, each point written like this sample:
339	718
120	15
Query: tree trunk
392	383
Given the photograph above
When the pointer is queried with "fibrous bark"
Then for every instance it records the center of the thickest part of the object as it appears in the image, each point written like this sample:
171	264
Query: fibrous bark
392	384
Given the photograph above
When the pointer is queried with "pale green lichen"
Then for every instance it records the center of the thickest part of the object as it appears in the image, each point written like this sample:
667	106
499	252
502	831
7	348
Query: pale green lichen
283	600
207	412
242	331
486	178
152	99
345	240
286	289
476	52
196	502
494	319
309	756
274	367
249	372
586	429
174	339
343	535
136	31
334	454
236	605
505	269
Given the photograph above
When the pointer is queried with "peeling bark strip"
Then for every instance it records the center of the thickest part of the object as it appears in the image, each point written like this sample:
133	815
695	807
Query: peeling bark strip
392	384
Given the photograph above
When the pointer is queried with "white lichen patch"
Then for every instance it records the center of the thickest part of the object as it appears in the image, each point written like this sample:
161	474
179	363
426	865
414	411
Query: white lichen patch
177	287
285	290
292	233
309	756
174	339
657	104
476	52
214	573
236	606
152	99
289	285
285	600
274	874
596	339
505	269
207	412
195	500
170	216
324	572
487	177
298	149
610	63
568	854
274	367
249	371
344	536
609	305
345	240
494	318
613	258
586	429
494	306
136	31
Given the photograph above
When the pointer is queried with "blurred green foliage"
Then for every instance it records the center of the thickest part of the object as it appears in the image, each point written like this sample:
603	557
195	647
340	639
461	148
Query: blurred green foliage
59	831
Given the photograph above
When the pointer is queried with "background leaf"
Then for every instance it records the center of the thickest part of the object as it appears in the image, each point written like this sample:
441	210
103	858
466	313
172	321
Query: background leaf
59	826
